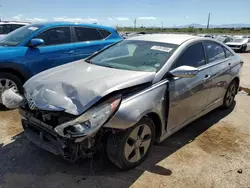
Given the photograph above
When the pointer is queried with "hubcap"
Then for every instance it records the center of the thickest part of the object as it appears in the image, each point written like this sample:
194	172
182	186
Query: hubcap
230	94
138	143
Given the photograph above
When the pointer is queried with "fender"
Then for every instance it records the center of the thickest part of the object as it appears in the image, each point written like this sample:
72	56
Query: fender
16	67
132	109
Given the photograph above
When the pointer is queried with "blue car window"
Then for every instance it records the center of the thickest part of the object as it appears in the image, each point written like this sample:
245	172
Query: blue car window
87	34
59	35
104	33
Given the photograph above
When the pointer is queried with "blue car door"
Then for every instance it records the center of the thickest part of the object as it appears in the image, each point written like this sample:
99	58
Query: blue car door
88	41
57	50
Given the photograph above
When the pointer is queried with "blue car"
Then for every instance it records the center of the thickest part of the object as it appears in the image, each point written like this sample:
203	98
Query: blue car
34	48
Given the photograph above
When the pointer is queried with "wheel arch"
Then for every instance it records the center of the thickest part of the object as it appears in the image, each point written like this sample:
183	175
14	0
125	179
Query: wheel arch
16	69
157	123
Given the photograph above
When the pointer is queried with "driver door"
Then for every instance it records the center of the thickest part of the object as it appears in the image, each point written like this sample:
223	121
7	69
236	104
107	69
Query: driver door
188	96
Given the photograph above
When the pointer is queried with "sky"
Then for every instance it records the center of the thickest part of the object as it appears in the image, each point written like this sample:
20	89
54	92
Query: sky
156	13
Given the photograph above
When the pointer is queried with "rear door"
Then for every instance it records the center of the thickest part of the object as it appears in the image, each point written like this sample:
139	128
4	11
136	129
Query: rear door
88	41
219	62
57	50
188	96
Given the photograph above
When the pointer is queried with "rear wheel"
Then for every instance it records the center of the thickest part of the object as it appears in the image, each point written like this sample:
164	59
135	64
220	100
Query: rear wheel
230	94
130	148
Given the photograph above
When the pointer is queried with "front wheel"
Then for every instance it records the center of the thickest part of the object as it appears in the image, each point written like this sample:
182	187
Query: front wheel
7	81
130	148
243	49
230	94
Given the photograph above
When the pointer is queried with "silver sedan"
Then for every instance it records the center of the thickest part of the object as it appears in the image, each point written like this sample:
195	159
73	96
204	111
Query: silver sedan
128	96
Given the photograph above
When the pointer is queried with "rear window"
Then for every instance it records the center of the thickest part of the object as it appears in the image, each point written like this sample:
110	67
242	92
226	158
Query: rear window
104	33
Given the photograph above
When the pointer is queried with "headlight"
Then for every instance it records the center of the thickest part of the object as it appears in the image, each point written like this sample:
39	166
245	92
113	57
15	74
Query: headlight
90	121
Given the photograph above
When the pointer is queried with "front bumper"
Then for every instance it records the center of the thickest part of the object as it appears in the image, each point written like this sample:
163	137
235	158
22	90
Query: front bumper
235	47
44	136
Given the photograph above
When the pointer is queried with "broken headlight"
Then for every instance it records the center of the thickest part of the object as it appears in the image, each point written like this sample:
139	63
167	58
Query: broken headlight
90	121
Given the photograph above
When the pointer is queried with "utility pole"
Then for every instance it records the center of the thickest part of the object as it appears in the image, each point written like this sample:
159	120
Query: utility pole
135	23
162	25
208	21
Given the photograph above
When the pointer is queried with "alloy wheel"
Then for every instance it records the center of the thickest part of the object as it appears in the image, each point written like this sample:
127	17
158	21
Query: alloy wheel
7	84
138	143
231	92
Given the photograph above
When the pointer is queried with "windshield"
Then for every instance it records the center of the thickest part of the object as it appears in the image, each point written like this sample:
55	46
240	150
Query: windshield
221	39
17	36
135	55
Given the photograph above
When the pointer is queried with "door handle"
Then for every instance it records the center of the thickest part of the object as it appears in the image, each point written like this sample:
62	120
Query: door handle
207	77
229	64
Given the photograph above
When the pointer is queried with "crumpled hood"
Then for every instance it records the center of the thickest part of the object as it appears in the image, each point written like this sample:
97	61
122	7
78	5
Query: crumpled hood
75	87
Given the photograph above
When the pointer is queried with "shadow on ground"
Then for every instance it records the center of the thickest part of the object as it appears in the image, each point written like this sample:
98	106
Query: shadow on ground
24	164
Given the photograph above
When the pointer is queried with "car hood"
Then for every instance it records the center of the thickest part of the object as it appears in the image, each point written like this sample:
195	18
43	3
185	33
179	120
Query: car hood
76	86
235	43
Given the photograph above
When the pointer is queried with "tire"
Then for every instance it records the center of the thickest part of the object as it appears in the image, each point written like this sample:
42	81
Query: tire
12	79
230	94
243	49
123	148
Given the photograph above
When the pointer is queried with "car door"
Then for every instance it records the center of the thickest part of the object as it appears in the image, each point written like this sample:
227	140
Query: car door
88	41
188	96
219	62
57	50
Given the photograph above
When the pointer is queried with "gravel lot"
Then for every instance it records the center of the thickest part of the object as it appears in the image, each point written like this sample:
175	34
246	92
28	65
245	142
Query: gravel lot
214	151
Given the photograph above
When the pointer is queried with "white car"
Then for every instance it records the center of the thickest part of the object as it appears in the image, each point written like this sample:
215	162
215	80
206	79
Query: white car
8	26
240	44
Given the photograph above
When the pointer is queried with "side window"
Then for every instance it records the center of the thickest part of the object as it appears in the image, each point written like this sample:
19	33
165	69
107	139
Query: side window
214	51
6	28
1	29
192	56
15	26
104	33
228	53
60	35
87	34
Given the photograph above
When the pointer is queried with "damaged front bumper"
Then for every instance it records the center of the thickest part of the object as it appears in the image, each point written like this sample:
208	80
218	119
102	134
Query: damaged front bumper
44	136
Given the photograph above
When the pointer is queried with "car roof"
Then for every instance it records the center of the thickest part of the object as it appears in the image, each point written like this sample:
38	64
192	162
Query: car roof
54	24
166	38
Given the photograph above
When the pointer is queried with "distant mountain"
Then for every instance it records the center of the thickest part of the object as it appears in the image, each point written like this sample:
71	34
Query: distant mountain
215	26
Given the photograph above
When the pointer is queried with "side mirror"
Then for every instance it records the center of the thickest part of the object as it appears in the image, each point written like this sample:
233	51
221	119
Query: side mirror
36	42
184	72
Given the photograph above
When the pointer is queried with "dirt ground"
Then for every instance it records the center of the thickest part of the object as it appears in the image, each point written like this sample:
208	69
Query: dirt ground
214	151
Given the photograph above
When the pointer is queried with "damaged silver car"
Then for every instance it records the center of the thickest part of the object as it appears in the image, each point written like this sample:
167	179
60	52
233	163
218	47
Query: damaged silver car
127	96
